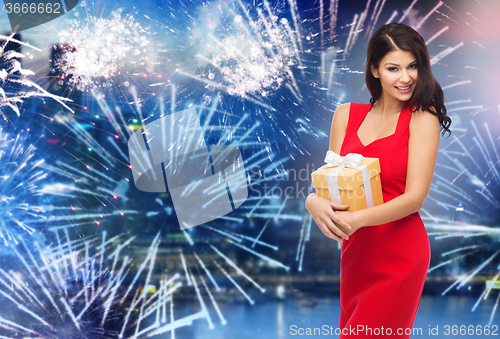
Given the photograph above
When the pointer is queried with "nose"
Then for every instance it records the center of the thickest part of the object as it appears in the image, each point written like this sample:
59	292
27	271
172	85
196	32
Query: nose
405	77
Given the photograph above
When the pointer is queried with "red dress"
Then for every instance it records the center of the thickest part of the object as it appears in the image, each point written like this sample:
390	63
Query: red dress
383	268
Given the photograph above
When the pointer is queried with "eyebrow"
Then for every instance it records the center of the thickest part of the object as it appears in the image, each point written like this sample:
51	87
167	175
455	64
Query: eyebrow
392	63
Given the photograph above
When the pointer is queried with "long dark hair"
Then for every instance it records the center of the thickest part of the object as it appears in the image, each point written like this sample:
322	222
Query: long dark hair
428	95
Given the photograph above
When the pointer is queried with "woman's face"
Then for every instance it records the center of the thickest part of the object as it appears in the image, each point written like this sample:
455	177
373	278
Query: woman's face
398	74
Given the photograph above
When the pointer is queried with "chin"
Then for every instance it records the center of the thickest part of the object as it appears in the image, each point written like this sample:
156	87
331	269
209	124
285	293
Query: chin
404	97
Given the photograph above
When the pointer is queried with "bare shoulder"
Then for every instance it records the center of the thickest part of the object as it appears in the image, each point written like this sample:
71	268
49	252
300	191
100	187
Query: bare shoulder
341	116
343	110
424	121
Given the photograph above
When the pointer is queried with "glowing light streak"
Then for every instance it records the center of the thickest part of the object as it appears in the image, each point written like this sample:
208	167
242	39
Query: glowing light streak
435	36
217	309
444	53
407	11
426	17
240	272
266	258
391	18
333	9
235	284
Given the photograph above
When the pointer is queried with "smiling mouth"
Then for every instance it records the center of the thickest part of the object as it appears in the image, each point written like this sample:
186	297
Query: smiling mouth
404	88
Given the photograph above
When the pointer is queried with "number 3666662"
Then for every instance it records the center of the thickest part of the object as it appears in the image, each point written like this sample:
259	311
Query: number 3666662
33	8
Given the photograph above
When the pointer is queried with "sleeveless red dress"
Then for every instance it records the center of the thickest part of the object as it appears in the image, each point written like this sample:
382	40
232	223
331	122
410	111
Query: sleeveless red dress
383	268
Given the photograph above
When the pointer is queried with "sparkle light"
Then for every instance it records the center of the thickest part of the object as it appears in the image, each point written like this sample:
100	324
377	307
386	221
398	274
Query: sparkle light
101	48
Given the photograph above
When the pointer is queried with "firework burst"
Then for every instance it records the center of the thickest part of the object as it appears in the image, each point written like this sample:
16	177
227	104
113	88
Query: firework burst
257	58
22	195
95	49
88	289
15	86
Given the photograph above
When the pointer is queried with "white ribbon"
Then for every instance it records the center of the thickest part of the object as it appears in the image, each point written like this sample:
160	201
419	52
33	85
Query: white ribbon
351	160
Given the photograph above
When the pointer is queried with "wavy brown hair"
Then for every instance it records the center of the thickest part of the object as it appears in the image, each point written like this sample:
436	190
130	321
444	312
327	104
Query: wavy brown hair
428	95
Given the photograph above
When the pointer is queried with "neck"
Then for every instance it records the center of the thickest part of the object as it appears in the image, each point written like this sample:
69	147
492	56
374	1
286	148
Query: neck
388	106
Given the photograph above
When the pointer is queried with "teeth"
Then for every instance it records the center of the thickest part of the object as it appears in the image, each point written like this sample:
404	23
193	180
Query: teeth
403	88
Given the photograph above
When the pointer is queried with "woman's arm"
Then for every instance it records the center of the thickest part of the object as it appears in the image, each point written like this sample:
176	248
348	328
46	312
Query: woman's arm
322	210
422	153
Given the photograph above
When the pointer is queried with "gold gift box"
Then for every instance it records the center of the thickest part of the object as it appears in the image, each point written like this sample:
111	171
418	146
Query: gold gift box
351	186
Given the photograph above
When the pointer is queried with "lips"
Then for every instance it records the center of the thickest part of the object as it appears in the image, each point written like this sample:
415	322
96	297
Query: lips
404	89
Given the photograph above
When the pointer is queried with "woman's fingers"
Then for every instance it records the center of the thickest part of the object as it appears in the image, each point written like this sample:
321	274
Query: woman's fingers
326	231
322	211
333	227
336	218
338	206
339	221
329	223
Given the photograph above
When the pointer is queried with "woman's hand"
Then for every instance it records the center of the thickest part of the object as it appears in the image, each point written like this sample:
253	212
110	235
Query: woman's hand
330	223
351	219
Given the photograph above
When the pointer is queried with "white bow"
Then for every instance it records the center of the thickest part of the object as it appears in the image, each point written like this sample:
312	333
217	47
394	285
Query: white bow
350	160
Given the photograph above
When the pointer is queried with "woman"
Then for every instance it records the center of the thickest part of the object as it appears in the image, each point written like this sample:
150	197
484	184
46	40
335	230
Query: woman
385	249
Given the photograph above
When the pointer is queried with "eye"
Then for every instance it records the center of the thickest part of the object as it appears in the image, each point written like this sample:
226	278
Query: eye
414	66
392	69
